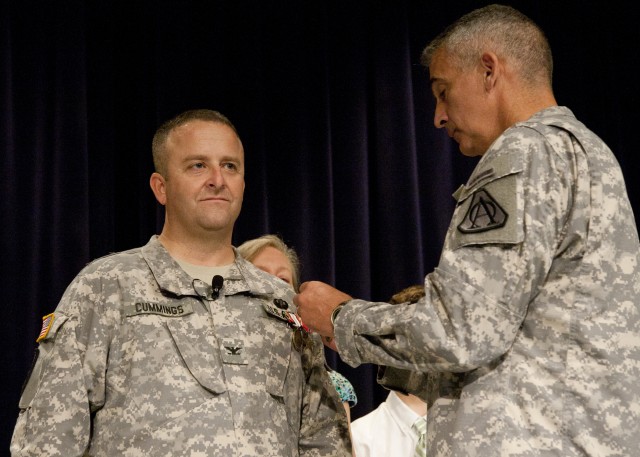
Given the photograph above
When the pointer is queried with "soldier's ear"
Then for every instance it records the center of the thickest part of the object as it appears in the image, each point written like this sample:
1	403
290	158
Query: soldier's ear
159	188
491	68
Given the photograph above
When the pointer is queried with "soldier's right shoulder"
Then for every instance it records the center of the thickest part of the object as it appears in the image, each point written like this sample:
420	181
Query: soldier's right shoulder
114	261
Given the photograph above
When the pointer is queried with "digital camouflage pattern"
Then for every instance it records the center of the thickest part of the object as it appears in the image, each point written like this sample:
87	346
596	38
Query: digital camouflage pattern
141	361
531	321
398	379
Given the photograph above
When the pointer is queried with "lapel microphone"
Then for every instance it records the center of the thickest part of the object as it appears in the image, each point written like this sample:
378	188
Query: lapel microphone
216	283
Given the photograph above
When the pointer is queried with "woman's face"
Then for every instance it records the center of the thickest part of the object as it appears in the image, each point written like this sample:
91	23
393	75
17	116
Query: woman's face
274	262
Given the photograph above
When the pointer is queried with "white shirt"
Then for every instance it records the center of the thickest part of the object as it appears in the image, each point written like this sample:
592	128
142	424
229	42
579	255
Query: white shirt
385	431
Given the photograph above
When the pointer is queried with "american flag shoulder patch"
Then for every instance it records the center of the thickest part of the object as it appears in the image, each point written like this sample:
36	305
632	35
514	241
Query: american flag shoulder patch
47	322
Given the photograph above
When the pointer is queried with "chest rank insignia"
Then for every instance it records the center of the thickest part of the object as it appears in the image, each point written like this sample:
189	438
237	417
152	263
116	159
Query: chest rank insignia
279	310
484	214
233	352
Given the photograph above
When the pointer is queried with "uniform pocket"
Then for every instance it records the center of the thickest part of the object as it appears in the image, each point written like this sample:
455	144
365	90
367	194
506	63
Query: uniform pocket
284	380
199	351
277	374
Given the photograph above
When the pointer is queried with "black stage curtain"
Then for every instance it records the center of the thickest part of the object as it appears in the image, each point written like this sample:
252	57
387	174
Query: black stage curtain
332	105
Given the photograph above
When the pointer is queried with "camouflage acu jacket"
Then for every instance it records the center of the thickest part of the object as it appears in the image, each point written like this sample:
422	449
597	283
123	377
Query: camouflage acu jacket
141	360
530	328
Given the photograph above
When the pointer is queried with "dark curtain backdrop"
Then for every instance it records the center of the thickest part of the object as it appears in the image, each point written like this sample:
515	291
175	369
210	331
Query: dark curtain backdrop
333	108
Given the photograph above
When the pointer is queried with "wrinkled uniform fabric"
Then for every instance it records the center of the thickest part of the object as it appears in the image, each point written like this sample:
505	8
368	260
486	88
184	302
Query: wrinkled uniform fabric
529	331
141	360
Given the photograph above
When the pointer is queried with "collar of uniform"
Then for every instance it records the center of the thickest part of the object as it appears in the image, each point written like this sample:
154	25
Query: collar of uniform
253	281
245	277
549	113
171	278
165	270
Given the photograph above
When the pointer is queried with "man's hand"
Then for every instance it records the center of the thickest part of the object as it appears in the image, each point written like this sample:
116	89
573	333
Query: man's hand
316	301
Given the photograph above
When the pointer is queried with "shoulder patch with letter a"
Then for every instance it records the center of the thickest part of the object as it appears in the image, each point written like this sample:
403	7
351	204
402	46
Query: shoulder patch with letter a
484	214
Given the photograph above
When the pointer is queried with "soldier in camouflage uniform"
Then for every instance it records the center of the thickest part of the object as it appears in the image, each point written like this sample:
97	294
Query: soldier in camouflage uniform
532	318
146	355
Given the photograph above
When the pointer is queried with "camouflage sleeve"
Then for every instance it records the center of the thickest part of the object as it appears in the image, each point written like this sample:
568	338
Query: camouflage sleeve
54	418
67	383
477	297
324	427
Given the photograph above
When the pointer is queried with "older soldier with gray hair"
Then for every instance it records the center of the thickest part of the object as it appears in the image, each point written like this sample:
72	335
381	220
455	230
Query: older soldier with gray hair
181	347
532	316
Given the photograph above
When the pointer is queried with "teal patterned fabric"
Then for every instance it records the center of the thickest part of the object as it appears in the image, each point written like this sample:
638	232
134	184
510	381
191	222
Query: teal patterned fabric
344	388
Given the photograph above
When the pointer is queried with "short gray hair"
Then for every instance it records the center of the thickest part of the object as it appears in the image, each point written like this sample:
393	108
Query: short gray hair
503	30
